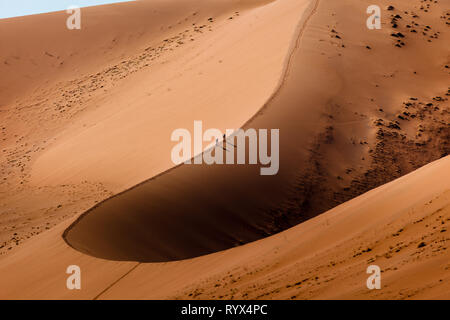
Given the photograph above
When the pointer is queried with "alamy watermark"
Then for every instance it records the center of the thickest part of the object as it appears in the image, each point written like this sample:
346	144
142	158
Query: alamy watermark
74	20
374	20
374	281
74	280
233	142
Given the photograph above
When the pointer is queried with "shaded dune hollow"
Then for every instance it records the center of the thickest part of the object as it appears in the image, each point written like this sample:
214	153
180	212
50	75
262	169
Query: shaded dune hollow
197	209
189	211
194	210
339	137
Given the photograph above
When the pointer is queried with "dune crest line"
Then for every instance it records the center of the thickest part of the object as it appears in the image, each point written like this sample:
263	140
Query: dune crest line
308	14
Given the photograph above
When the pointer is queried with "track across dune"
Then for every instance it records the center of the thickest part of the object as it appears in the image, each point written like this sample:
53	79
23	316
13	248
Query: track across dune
192	210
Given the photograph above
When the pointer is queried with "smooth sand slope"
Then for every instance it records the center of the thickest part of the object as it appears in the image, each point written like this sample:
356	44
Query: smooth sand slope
126	138
69	144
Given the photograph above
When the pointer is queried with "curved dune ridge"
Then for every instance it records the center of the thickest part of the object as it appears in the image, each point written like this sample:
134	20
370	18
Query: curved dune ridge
195	209
199	209
115	90
364	142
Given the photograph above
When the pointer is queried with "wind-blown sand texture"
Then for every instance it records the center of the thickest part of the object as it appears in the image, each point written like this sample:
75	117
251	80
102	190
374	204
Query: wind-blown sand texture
87	115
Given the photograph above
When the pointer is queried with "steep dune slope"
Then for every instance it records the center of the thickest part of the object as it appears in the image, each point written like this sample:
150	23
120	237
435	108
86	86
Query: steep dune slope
126	139
79	131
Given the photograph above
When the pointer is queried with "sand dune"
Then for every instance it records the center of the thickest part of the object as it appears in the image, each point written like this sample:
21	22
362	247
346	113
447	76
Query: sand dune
107	125
325	257
195	210
87	115
124	138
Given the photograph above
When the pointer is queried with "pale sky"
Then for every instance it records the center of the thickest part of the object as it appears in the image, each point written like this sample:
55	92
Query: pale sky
15	8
